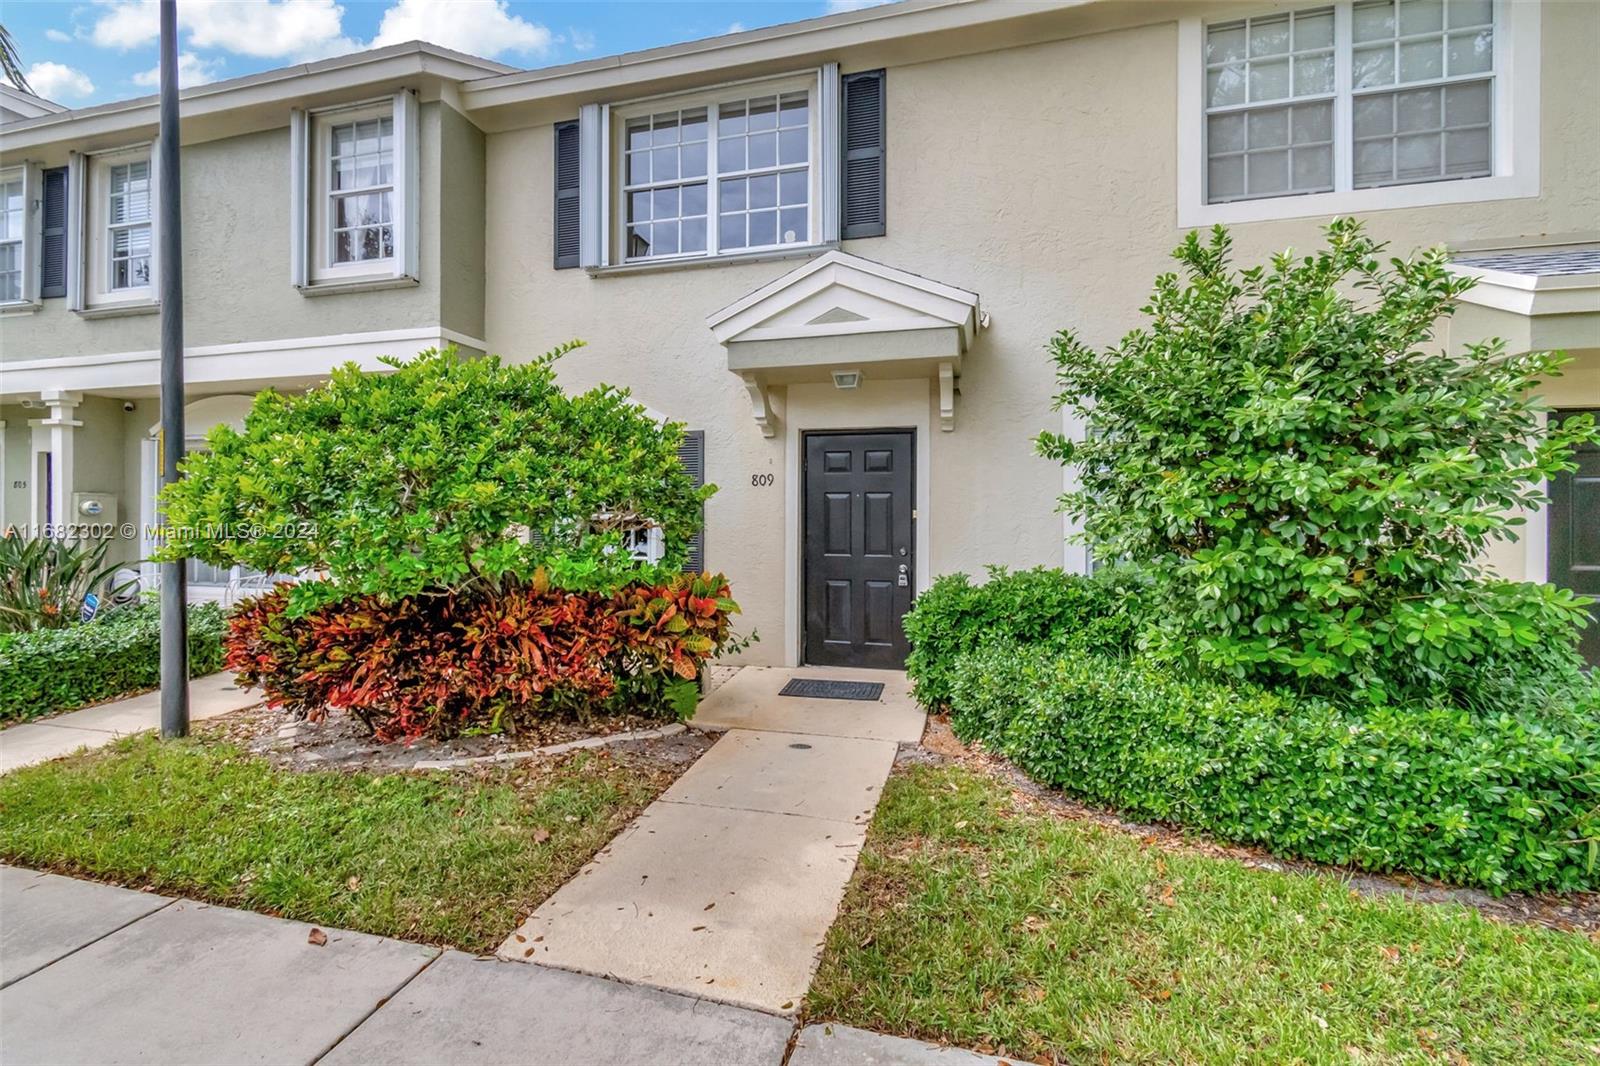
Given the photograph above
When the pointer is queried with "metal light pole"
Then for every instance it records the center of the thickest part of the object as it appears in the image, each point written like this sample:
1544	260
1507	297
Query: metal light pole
169	228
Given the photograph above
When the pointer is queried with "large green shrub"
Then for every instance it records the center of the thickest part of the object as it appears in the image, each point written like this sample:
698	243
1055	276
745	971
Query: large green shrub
446	474
120	652
1311	481
1040	606
1500	800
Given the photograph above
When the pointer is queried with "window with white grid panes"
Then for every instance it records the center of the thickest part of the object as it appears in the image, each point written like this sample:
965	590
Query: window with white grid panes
665	180
1269	105
1403	91
128	233
12	220
361	190
764	171
1422	79
732	176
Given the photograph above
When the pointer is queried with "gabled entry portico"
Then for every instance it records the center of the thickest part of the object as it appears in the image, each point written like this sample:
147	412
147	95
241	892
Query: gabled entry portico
856	366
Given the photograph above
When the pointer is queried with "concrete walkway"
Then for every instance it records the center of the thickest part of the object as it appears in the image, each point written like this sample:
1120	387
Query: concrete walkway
725	886
94	727
95	974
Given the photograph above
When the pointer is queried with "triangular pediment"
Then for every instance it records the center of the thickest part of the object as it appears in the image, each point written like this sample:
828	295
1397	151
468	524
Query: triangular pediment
841	295
836	315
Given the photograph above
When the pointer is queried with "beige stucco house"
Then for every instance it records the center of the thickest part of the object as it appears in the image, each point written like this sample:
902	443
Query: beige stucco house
834	249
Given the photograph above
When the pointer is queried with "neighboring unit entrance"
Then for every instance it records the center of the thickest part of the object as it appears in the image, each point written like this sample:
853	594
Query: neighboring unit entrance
856	547
1575	532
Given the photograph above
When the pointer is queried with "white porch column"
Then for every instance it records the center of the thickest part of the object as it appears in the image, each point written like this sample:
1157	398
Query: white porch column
54	435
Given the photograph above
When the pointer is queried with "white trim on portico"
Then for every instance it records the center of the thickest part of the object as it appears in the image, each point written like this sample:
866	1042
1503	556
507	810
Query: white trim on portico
843	312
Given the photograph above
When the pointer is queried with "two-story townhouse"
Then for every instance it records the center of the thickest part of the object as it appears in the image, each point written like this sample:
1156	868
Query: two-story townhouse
315	200
836	248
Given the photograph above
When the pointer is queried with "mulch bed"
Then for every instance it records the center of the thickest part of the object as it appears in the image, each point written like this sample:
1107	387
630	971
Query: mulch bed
1577	912
340	742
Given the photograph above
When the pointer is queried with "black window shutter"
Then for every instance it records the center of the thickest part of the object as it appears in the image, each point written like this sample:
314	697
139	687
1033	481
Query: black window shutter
865	209
566	194
53	248
692	453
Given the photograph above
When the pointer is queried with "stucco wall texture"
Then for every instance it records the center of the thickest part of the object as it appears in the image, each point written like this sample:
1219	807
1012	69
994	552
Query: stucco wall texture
236	202
1044	179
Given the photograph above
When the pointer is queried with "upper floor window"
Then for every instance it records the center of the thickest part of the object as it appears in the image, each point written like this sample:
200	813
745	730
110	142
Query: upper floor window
13	224
1422	76
354	212
756	167
732	174
360	174
1355	105
128	232
1269	105
120	264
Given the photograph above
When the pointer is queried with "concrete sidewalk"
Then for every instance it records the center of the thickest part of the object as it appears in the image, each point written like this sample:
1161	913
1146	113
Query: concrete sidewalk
726	885
94	727
95	974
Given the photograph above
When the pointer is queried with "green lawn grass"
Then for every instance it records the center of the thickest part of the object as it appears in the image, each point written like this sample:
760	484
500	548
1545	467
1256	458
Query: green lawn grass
447	859
981	919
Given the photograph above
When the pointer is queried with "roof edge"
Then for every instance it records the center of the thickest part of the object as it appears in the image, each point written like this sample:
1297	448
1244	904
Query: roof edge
470	66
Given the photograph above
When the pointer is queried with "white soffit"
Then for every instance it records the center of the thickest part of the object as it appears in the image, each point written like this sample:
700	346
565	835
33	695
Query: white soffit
841	295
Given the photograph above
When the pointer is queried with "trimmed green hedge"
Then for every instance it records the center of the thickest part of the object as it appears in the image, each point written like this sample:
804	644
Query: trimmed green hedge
1043	606
1500	800
58	669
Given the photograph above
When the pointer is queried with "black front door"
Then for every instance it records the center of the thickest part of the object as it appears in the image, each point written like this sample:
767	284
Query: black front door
856	547
1575	533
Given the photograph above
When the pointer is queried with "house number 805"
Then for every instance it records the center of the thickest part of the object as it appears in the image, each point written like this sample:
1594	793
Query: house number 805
760	480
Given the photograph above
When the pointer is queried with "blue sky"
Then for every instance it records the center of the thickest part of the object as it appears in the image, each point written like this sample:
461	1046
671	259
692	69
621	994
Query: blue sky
90	52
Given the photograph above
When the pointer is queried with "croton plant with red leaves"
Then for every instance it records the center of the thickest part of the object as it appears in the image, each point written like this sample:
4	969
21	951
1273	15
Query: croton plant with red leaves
437	665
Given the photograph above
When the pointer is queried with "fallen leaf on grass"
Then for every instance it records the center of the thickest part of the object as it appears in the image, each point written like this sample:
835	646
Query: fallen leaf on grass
317	938
354	884
1390	954
540	835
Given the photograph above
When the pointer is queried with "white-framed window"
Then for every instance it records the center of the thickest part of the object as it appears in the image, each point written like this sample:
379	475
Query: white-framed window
1269	105
1357	105
13	230
120	261
354	212
740	169
643	544
129	226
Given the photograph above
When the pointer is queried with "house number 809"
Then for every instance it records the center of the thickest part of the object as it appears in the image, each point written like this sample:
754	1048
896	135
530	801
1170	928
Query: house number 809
760	480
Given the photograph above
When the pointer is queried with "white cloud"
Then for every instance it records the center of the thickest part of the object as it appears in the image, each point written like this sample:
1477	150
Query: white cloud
582	40
192	70
126	25
836	6
268	29
734	27
58	36
478	27
57	81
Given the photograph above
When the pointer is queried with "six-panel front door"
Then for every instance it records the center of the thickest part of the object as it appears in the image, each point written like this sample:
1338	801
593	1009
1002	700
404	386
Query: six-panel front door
857	547
1574	560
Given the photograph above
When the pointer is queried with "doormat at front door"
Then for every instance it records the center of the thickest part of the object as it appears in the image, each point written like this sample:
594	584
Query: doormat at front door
818	688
